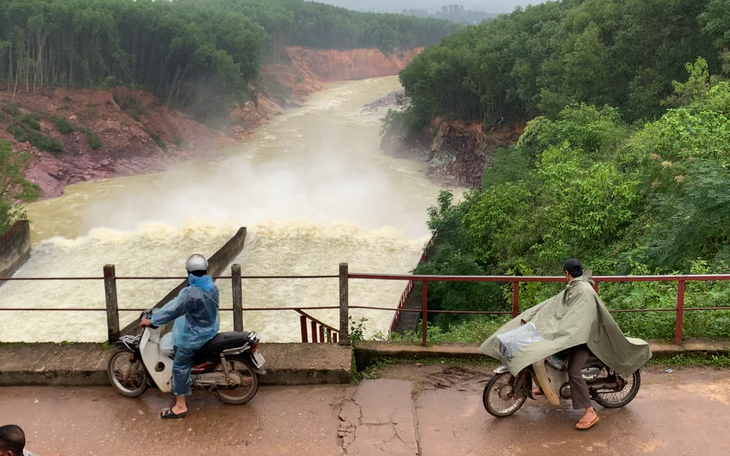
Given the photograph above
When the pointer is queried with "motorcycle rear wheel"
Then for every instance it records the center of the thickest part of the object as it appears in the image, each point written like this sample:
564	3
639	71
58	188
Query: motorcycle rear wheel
617	399
129	378
498	395
249	386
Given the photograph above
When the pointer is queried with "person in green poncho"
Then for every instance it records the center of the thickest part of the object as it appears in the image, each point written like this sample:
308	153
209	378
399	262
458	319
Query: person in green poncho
576	321
577	357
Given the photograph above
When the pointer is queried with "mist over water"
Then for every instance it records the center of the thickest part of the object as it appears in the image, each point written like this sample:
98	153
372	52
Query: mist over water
312	187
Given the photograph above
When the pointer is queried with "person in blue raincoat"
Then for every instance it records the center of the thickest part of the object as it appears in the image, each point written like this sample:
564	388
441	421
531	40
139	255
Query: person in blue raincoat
195	312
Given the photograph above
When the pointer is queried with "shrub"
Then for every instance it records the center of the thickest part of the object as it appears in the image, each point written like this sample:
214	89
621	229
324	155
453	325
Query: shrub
63	125
156	138
38	140
94	140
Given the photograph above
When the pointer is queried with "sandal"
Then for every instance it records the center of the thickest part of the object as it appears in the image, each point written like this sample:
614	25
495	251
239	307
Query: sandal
537	392
170	415
584	426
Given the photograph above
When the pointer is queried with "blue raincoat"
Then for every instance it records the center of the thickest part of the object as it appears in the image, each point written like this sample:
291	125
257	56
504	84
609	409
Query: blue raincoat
195	312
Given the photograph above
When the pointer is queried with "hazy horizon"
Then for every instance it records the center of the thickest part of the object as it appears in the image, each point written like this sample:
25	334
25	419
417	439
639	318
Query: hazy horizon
396	6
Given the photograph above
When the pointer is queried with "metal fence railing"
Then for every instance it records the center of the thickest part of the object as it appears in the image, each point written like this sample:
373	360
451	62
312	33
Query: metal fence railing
316	331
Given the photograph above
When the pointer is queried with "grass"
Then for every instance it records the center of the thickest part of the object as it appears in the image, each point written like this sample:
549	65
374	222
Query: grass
156	138
63	125
132	105
92	138
694	359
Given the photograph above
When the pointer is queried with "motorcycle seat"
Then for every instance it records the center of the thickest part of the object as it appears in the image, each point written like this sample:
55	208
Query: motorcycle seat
224	341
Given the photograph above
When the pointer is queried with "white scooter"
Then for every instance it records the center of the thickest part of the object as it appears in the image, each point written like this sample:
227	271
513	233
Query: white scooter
227	366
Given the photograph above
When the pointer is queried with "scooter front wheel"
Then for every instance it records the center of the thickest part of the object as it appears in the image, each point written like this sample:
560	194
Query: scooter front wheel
127	375
247	381
499	398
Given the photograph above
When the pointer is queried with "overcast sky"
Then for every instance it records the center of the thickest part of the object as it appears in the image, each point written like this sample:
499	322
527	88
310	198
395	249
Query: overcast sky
396	6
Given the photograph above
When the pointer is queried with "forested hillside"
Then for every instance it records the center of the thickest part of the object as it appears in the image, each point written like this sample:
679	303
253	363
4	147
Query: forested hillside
624	164
625	53
197	55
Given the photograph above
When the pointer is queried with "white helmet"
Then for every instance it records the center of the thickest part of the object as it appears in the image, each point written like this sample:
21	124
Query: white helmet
196	263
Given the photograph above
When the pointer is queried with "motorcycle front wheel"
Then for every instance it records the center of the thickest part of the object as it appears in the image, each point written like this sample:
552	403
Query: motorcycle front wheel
499	398
128	376
616	399
243	369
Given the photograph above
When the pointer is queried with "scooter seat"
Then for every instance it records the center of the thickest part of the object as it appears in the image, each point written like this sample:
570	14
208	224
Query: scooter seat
224	341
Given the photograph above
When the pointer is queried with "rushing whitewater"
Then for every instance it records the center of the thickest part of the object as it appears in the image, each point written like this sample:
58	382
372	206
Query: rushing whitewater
312	187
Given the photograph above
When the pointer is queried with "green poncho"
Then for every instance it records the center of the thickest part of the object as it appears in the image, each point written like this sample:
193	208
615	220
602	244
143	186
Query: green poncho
573	317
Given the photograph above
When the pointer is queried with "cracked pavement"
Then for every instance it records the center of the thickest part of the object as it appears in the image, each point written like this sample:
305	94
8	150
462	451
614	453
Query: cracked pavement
411	410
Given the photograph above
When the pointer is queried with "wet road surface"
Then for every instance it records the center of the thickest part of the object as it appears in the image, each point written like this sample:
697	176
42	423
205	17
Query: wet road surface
684	413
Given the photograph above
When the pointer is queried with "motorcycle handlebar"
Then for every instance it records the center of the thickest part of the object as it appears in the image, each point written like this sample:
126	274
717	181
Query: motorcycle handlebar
147	314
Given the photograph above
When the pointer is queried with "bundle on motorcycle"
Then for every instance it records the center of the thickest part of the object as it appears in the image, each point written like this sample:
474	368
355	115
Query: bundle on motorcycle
228	365
574	317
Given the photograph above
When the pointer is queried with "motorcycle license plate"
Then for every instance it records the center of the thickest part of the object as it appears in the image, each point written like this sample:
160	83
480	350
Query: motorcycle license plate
258	358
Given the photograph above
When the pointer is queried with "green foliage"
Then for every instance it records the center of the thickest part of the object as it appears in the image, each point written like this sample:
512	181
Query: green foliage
15	190
156	138
25	133
92	138
537	60
653	200
63	125
131	105
357	329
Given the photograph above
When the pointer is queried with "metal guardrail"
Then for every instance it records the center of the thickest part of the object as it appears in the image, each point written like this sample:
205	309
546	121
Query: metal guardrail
320	332
679	309
317	331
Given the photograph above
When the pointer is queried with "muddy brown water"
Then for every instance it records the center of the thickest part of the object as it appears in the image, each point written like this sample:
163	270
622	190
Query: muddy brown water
312	186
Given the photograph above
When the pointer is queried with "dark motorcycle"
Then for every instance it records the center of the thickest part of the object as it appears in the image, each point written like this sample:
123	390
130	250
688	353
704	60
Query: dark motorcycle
504	393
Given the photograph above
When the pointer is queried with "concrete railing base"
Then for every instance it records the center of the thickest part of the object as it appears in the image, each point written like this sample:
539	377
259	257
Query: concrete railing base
85	364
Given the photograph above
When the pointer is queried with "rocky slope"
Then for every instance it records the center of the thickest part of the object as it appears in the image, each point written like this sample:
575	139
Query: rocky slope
138	134
456	152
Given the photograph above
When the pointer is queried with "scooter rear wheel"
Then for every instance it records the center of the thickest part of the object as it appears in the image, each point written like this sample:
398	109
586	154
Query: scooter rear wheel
499	398
240	394
129	377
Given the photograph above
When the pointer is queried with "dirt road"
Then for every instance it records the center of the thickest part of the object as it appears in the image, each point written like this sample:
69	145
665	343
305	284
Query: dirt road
411	410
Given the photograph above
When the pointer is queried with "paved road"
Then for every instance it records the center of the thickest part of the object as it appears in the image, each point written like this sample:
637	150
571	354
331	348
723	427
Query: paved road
427	410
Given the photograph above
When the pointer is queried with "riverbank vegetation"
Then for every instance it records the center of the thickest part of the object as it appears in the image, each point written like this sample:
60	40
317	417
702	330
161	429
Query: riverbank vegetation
15	190
625	199
199	56
621	166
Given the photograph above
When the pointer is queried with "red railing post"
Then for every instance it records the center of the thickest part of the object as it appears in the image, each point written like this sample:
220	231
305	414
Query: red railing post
515	299
680	313
321	335
314	333
424	314
303	324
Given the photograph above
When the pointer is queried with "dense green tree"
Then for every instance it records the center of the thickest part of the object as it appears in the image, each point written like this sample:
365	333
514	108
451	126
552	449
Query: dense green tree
198	55
536	60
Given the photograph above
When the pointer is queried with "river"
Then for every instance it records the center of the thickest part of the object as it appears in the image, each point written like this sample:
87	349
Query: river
312	187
